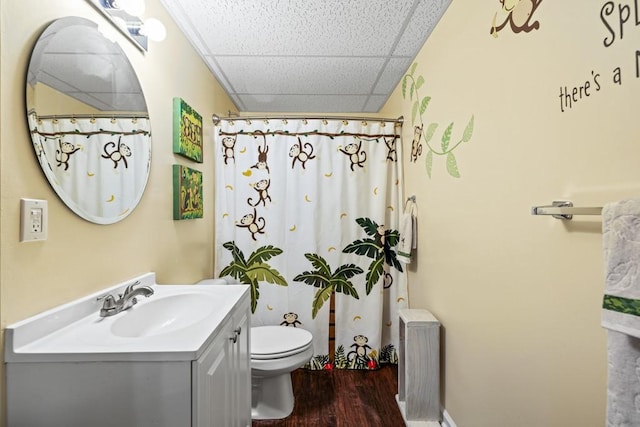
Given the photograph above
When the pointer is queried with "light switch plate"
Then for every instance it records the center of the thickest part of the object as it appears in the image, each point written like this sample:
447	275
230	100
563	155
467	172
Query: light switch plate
33	220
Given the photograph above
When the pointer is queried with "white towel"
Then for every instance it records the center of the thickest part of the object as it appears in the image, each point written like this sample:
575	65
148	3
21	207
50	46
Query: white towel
408	231
621	244
621	311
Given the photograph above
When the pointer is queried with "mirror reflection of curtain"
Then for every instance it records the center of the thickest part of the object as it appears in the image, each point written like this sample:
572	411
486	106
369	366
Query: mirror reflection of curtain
307	213
97	165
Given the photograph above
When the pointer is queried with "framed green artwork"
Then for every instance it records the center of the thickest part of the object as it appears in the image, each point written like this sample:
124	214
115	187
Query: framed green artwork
187	131
187	193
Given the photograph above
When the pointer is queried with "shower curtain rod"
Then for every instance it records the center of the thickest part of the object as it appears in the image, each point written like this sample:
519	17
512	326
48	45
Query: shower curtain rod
216	118
95	116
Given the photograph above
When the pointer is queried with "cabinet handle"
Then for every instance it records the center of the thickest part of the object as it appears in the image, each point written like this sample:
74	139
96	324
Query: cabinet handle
236	334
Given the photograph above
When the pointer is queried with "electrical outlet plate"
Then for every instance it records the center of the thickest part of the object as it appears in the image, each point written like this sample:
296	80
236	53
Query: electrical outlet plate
33	220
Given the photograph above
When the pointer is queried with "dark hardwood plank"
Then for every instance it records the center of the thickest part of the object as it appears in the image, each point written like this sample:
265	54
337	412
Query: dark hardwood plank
342	398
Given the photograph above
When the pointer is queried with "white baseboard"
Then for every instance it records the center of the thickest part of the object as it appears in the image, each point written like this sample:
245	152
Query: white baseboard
447	421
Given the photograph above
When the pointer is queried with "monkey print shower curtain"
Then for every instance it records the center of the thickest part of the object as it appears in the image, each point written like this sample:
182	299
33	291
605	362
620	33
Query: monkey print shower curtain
307	214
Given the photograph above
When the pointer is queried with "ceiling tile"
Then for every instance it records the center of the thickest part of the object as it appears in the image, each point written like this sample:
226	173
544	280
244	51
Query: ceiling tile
423	21
391	75
301	75
311	56
305	103
324	27
375	103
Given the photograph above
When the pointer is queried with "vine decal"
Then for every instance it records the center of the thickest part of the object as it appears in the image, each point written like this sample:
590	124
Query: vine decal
448	144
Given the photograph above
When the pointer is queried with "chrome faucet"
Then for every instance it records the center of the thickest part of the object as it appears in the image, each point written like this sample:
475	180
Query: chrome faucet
126	300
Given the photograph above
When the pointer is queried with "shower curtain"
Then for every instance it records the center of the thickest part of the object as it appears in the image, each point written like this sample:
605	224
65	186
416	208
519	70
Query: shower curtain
307	214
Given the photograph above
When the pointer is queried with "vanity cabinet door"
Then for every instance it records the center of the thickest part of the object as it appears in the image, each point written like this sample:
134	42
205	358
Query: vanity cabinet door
241	358
212	381
222	375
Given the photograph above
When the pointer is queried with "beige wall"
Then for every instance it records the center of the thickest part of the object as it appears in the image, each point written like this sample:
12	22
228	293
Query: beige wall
79	257
519	296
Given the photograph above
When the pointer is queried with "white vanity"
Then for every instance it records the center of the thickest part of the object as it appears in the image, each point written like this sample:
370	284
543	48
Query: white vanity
179	358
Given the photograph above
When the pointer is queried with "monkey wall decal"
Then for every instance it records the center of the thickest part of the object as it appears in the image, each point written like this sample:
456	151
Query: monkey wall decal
392	154
118	154
519	14
253	223
290	319
361	348
228	148
416	145
64	152
356	156
297	152
261	164
262	187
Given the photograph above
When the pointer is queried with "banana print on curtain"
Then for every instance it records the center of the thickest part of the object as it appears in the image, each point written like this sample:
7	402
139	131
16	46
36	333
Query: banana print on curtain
307	214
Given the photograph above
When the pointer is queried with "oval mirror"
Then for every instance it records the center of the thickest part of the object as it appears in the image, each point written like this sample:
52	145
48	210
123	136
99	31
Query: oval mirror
88	120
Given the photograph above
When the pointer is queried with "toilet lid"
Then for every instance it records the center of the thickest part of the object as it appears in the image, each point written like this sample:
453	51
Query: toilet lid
278	341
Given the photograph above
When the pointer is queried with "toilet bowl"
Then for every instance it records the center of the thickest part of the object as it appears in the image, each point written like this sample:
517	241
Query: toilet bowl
276	351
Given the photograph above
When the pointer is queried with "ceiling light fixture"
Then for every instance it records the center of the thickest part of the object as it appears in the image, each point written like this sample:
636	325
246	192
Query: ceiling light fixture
154	29
127	15
132	7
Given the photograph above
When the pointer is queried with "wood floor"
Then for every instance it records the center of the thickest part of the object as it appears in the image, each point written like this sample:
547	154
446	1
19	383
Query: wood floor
343	398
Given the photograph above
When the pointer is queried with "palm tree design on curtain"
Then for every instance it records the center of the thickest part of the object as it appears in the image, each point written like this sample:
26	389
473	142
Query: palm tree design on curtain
254	270
328	283
379	248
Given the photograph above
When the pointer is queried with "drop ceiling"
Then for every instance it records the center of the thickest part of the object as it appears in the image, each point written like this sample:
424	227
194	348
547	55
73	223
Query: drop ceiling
324	56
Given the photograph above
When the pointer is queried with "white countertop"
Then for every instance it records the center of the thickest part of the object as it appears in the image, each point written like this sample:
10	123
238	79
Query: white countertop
75	332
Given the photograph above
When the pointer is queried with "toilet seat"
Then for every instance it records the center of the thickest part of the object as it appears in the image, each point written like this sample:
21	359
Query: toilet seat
275	342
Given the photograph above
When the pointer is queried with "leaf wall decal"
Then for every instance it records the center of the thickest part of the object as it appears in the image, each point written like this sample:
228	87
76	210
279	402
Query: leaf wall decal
452	165
424	104
446	138
430	131
468	131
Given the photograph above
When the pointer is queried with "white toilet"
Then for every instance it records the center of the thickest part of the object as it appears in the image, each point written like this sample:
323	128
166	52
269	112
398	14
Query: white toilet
276	351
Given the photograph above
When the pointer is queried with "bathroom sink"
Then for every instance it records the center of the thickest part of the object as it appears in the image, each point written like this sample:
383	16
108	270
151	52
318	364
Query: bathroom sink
177	322
163	314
